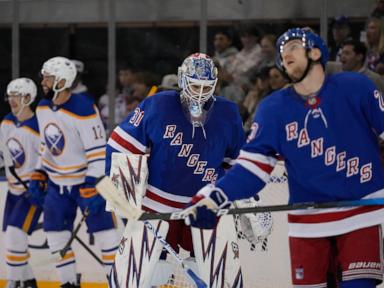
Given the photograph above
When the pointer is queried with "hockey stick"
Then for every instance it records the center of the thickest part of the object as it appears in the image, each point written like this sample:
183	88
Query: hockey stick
192	275
106	188
74	233
89	250
67	246
14	174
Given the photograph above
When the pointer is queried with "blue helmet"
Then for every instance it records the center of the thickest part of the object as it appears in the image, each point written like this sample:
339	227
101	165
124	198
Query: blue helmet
310	40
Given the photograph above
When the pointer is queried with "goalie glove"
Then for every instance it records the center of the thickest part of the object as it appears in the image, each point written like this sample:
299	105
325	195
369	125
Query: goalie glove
254	227
200	210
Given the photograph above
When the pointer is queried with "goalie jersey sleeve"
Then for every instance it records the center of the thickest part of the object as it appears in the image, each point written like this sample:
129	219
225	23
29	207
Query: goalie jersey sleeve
181	160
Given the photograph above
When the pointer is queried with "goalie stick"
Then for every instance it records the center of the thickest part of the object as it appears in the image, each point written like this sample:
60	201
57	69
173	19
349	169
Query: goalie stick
106	189
192	275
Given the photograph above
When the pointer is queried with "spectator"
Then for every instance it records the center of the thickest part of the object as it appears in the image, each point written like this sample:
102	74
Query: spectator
259	90
224	53
375	44
277	80
268	50
353	55
378	11
126	78
249	57
143	84
169	82
341	31
78	86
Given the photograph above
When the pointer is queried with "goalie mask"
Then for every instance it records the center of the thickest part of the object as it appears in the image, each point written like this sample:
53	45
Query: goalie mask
60	68
23	88
197	78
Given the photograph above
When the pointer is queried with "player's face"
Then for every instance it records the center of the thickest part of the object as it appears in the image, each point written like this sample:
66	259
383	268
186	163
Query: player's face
198	89
14	101
294	59
47	83
267	48
348	58
221	42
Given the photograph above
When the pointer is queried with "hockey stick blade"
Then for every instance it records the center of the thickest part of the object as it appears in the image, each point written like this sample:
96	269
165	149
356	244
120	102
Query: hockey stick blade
108	191
273	208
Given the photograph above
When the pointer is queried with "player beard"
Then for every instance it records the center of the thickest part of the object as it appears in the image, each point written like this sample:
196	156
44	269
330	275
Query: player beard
48	93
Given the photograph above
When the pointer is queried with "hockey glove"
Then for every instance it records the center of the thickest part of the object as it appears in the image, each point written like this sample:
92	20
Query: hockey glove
90	198
37	188
201	210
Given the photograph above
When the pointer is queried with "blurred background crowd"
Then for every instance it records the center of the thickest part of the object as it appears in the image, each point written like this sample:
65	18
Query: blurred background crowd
147	57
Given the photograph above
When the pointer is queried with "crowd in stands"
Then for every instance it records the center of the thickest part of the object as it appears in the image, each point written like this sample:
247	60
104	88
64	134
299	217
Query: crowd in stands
248	73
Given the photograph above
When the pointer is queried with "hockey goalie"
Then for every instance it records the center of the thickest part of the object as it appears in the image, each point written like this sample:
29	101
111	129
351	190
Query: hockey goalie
173	144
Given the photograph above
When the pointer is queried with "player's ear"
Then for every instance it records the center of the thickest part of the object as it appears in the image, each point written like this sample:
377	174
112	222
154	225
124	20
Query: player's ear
60	84
314	54
26	99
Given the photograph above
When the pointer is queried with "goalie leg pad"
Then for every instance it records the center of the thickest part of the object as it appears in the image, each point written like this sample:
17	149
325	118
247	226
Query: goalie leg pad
138	254
163	271
217	254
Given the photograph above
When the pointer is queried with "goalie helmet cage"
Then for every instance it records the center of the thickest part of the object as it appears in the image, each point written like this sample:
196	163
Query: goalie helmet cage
261	268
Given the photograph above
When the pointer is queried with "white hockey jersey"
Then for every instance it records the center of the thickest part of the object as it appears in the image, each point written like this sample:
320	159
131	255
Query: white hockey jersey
73	140
22	141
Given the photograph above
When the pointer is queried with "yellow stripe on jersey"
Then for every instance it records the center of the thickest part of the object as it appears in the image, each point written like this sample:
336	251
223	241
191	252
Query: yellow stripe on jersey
63	168
29	129
69	113
96	154
42	107
29	218
68	176
8	122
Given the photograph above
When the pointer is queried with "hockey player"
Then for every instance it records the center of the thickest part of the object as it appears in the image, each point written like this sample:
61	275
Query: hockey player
72	157
20	134
327	129
190	137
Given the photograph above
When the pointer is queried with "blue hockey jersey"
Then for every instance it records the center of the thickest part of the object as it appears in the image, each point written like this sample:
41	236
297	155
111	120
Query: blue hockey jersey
330	147
179	164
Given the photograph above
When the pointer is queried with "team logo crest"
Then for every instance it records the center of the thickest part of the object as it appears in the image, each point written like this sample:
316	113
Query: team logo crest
17	152
54	139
